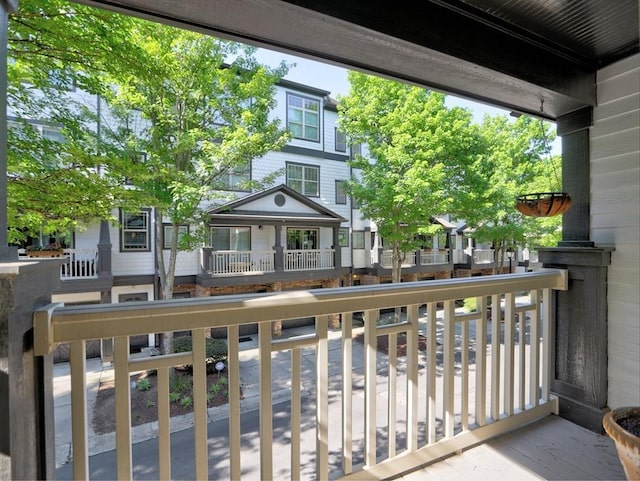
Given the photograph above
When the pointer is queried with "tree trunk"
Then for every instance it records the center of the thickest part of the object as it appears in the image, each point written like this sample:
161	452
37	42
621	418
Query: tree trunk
165	276
396	274
276	328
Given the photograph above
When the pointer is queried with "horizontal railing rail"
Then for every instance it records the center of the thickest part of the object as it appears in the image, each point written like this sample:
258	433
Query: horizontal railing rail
464	377
308	259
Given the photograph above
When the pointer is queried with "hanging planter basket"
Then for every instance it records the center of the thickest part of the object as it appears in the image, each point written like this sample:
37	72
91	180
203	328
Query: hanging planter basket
543	204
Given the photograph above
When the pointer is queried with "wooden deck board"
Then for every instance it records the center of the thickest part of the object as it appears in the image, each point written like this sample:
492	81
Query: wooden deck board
552	449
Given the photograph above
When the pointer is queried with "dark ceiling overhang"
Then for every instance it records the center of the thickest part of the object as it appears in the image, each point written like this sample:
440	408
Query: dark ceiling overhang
448	45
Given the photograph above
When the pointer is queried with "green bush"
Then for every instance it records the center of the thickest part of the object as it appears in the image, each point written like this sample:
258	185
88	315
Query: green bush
216	350
143	384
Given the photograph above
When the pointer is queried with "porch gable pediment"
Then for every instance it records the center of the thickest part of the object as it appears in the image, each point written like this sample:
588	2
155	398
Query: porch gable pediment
278	204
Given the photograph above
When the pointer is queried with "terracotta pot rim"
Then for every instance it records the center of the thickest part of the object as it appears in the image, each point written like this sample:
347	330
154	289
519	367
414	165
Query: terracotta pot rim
617	432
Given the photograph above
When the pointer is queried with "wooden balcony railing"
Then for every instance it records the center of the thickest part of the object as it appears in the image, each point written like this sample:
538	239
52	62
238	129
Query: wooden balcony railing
386	259
231	262
79	264
426	258
483	256
308	259
437	257
489	373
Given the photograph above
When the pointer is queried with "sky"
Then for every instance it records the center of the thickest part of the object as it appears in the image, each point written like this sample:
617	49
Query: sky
334	79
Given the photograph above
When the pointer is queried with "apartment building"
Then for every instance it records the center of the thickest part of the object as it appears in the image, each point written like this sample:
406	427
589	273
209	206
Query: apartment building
303	232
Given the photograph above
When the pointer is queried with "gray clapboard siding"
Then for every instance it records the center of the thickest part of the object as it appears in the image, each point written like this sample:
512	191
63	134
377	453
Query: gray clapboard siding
615	201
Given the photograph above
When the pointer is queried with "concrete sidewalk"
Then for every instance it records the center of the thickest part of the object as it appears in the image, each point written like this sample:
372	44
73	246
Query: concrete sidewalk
249	378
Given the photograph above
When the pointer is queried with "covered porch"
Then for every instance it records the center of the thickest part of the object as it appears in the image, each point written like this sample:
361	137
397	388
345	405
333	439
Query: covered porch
372	400
547	58
552	448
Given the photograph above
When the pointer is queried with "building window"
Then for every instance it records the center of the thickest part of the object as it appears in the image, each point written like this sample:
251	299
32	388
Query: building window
135	231
343	237
237	178
231	238
358	239
341	194
341	141
48	132
299	239
167	234
303	117
304	179
356	149
354	203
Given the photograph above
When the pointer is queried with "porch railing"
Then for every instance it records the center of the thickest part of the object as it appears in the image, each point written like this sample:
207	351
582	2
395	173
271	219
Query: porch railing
237	262
79	264
466	377
308	259
436	257
386	259
483	256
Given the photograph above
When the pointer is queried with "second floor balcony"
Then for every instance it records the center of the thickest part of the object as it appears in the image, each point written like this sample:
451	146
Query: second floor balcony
77	264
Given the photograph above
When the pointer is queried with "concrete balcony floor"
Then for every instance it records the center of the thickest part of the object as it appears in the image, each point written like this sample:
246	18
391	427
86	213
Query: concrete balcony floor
551	449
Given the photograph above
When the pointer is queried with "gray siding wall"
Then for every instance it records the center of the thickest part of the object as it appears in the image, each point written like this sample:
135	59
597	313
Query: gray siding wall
615	218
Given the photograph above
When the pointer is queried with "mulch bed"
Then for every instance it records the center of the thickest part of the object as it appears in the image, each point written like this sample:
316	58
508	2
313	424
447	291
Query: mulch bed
144	398
383	343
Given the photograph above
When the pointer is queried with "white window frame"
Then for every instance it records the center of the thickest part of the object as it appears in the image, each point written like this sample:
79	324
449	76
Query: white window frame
304	180
231	228
341	194
341	141
144	231
357	239
167	234
305	113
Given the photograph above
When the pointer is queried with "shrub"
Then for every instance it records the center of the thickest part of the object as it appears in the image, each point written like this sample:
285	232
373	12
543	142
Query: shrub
216	350
143	384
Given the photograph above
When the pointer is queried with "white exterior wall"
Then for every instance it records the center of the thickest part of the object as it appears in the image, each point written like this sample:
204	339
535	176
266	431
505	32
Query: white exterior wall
615	201
130	263
88	238
187	262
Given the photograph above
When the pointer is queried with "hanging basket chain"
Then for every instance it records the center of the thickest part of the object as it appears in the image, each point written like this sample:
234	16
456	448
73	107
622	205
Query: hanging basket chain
543	204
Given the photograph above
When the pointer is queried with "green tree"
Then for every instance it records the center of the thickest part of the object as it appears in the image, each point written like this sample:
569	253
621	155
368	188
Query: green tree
515	160
419	150
56	179
197	120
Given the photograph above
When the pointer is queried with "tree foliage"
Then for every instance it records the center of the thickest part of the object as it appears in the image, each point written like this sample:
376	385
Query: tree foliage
57	49
419	151
515	160
195	119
